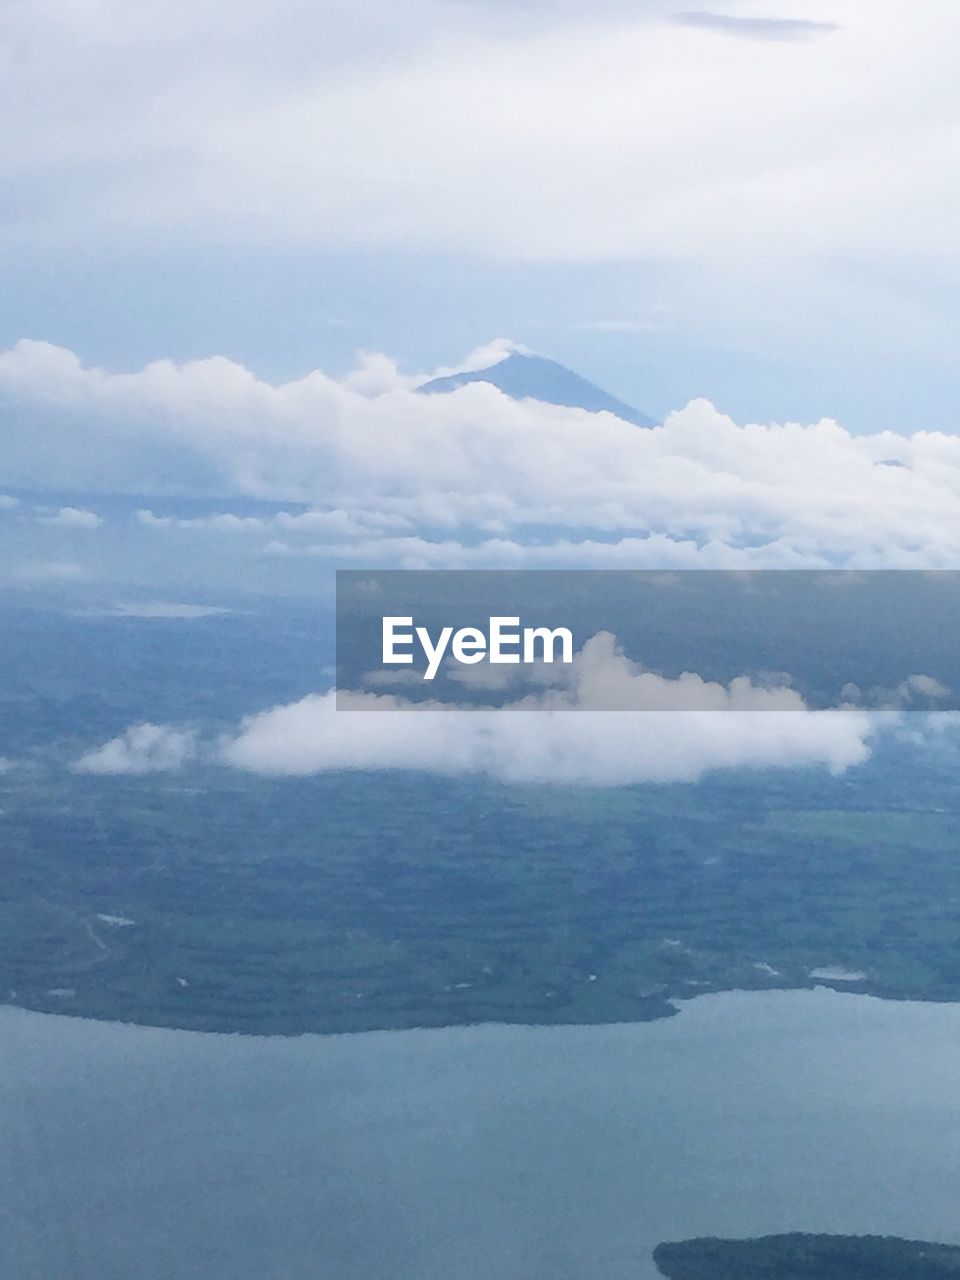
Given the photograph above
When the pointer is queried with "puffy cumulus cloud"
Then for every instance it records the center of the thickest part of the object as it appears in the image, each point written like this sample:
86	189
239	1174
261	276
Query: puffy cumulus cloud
379	469
603	721
73	518
607	725
376	373
785	142
596	748
143	748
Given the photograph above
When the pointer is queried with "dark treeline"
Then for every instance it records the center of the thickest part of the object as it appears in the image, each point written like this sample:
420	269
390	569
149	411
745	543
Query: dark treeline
808	1257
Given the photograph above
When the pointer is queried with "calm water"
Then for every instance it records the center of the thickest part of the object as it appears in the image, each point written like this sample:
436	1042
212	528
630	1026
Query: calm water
496	1152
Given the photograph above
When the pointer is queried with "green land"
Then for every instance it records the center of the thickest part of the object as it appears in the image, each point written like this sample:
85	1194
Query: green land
359	901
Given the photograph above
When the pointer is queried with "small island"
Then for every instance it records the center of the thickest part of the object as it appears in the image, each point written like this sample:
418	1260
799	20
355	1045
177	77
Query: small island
808	1257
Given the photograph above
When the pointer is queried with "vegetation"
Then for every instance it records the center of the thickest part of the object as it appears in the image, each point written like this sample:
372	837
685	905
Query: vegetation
808	1257
212	900
359	901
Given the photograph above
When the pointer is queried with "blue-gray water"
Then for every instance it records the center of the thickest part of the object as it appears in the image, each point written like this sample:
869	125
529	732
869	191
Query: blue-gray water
488	1153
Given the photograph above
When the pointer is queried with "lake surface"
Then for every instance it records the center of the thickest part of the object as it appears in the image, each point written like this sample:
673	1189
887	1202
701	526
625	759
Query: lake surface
501	1153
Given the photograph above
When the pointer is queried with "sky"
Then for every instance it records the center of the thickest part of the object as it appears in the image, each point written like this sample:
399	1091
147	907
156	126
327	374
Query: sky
752	203
236	237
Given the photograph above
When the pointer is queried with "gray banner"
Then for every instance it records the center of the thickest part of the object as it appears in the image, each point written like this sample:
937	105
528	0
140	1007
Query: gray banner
660	641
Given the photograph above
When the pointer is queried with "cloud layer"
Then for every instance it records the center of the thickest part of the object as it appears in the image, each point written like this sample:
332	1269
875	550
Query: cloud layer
301	124
601	727
600	748
473	478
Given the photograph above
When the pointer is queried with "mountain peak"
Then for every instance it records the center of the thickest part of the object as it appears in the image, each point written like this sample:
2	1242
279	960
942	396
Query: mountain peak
524	376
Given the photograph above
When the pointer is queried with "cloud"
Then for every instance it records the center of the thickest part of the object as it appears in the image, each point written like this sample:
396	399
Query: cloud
570	734
144	748
915	692
311	128
599	748
495	481
225	522
41	571
602	678
377	373
655	551
336	522
923	686
73	518
485	356
163	609
755	28
7	503
604	721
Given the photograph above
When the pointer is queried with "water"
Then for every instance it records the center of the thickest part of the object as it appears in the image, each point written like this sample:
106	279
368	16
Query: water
491	1152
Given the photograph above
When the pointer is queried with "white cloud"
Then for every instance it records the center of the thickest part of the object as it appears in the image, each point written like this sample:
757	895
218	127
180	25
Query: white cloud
225	522
144	748
924	686
73	518
336	522
375	374
584	732
604	721
298	124
485	356
915	692
7	502
164	609
379	469
655	551
752	28
41	571
594	748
